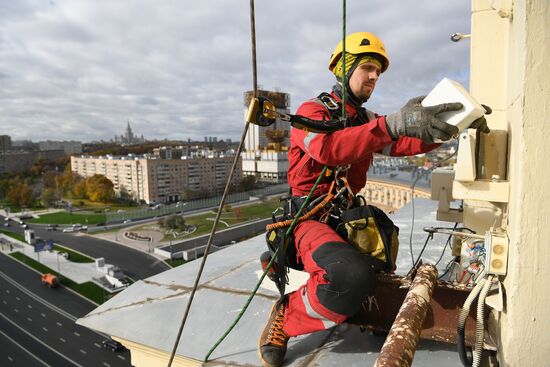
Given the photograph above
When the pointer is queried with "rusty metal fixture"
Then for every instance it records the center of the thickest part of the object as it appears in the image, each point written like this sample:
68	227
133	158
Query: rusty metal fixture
400	344
380	310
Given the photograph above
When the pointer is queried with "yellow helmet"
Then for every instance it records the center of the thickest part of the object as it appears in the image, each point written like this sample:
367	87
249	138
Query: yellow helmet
360	43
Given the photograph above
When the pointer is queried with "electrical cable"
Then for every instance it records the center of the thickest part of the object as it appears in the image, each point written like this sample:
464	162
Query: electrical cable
434	166
447	244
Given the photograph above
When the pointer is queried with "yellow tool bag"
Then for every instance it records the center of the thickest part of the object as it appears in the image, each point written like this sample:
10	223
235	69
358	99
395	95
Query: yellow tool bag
371	231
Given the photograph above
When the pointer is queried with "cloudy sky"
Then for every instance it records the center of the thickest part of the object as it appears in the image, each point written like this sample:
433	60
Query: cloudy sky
177	69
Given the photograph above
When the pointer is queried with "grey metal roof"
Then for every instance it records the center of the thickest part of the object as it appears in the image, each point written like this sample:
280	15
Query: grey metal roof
149	311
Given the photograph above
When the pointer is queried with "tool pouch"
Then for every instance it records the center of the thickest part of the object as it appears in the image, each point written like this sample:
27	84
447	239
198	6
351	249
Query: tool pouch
371	231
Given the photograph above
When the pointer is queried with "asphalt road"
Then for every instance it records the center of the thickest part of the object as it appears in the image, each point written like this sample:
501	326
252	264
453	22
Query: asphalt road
134	263
37	324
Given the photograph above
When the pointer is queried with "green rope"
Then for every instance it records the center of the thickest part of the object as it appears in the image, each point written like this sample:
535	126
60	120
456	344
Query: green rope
344	89
273	258
304	204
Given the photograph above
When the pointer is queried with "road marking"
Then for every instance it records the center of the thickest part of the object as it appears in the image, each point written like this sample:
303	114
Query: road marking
29	306
7	291
17	298
16	310
63	340
4	302
43	328
121	357
10	359
32	295
75	333
106	364
83	351
97	345
36	339
30	320
42	314
58	323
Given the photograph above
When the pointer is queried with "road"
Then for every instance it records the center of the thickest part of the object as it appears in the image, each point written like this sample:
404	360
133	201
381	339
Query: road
134	263
37	324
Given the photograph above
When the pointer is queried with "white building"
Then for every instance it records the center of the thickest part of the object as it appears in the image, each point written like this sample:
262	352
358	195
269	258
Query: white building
265	148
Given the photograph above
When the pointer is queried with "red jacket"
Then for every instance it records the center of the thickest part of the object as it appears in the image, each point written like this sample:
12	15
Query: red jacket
355	145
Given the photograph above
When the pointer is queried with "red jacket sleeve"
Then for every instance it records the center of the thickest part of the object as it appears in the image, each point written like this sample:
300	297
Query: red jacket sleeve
351	144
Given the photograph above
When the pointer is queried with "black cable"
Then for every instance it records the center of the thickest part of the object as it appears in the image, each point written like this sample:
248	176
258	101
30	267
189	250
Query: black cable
447	244
435	165
422	251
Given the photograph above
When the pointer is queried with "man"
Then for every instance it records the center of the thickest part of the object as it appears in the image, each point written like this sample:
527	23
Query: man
340	277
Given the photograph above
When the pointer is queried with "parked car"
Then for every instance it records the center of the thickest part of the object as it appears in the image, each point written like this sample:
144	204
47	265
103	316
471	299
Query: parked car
52	227
68	230
112	345
127	221
24	225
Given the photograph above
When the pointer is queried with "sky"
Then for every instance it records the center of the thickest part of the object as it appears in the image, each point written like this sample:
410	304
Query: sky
177	69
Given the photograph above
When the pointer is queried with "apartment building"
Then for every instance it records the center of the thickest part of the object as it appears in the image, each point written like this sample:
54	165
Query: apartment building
69	147
153	179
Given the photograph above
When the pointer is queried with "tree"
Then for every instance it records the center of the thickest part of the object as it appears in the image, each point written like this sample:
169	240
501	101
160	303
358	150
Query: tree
20	195
49	179
49	197
175	222
99	188
79	190
247	183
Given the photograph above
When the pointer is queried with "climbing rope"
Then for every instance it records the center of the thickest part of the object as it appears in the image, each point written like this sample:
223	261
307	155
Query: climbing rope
225	192
273	258
298	217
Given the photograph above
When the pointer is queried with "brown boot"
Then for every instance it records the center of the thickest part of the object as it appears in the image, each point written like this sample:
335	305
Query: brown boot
272	343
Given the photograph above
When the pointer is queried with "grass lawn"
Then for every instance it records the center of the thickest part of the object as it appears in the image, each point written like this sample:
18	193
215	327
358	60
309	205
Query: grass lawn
14	235
69	218
175	262
74	256
204	222
89	290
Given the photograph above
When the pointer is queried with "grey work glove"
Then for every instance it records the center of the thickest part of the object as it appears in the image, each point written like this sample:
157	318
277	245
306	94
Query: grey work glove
481	124
421	122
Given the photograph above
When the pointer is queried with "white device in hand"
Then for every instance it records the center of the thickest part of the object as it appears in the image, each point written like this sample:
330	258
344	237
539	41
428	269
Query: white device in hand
447	91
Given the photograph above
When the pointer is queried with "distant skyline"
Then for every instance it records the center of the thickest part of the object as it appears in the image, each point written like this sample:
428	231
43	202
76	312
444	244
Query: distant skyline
80	69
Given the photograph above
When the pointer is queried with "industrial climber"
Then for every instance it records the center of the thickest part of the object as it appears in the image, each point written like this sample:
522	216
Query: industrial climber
341	277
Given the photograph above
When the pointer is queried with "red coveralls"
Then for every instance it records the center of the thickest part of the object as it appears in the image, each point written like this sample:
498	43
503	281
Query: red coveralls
340	277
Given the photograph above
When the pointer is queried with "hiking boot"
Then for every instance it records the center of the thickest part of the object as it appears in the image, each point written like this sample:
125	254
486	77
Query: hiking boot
272	343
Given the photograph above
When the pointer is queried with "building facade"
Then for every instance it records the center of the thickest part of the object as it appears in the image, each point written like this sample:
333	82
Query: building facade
69	147
129	138
5	143
152	179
